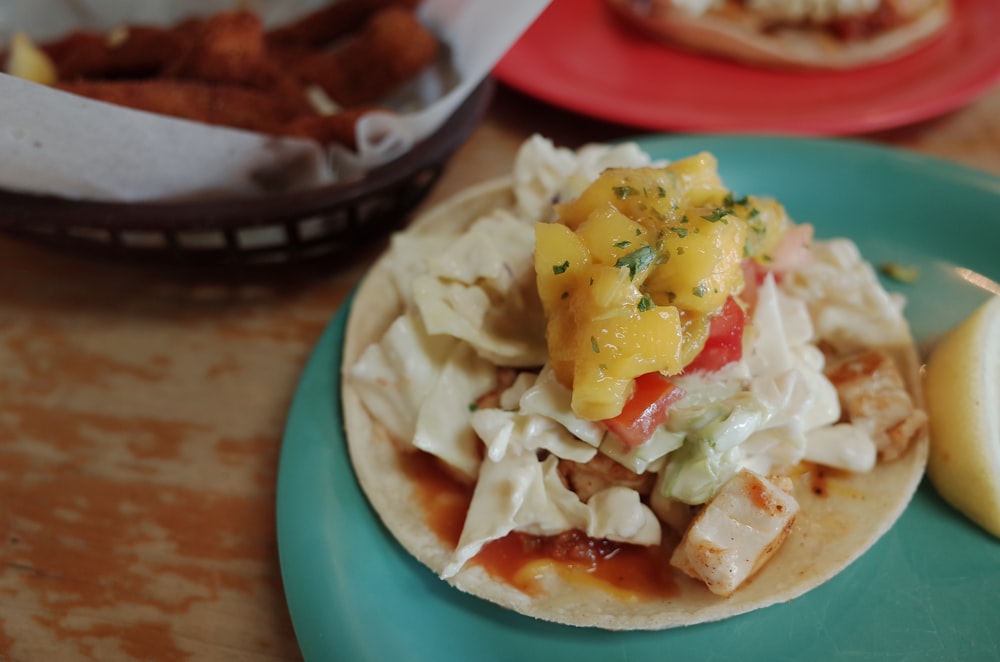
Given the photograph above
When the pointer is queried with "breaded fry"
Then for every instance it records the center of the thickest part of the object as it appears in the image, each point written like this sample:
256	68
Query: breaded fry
128	52
227	47
338	128
211	103
392	48
226	70
325	25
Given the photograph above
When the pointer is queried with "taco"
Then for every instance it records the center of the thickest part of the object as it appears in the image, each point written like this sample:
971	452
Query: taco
647	405
831	34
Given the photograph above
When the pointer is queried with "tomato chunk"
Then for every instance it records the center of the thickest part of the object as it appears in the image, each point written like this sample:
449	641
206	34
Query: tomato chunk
725	339
646	410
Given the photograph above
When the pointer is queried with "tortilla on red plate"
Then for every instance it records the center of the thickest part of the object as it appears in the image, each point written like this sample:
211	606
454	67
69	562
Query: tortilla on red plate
737	30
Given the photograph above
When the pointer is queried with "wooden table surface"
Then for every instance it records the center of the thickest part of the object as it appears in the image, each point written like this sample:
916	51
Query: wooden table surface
141	415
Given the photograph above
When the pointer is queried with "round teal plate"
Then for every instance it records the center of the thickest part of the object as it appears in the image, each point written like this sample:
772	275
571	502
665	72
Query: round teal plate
928	590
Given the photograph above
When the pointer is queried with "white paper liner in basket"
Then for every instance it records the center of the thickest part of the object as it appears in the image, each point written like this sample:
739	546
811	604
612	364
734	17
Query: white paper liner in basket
60	144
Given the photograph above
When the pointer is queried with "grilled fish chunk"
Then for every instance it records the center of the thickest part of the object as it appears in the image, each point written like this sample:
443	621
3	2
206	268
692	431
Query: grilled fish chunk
736	532
874	397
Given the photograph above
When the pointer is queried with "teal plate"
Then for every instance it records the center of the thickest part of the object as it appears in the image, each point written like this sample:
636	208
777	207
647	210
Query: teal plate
926	591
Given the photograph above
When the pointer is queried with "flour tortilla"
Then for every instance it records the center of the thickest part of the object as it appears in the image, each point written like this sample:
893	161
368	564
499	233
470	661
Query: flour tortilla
829	532
739	36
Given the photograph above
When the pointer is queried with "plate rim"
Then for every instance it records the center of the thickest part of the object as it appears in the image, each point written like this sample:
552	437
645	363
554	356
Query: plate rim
880	116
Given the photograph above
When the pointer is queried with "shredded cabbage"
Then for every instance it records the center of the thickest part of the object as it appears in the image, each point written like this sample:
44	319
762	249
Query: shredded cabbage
471	306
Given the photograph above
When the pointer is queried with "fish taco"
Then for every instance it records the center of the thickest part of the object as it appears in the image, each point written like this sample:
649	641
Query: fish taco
607	391
821	34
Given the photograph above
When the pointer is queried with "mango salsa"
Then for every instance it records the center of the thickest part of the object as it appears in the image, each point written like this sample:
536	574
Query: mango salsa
631	272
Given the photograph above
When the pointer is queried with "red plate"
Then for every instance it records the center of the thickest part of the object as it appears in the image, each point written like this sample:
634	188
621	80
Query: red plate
578	56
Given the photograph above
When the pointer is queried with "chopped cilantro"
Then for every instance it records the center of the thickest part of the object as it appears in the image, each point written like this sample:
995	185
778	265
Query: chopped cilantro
680	232
637	260
473	406
719	214
593	345
622	192
623	244
699	290
730	201
645	303
560	268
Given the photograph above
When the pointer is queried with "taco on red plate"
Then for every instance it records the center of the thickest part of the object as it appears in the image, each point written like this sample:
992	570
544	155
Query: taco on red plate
610	392
834	34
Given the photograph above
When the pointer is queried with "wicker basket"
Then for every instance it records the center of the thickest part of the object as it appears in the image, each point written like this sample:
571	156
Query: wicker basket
326	222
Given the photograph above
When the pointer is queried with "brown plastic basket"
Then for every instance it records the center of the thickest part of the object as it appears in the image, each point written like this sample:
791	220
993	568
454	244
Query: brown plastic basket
326	222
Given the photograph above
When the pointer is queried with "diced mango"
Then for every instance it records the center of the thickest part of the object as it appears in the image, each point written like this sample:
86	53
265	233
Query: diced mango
767	221
560	255
699	181
596	395
608	289
642	194
609	235
655	330
633	270
702	265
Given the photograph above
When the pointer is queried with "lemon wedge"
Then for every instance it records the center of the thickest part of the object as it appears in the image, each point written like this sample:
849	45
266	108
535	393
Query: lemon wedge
29	62
962	386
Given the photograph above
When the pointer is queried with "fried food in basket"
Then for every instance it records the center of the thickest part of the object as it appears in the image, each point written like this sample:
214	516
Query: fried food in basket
329	129
223	105
227	69
391	49
323	26
132	52
227	47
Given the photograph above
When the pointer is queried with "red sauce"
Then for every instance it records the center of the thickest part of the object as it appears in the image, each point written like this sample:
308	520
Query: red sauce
638	572
444	500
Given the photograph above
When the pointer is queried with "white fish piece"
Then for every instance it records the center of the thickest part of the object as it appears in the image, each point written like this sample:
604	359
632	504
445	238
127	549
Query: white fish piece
841	446
874	396
736	532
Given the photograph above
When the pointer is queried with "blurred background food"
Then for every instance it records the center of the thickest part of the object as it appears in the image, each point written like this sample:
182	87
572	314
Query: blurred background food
311	78
822	34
